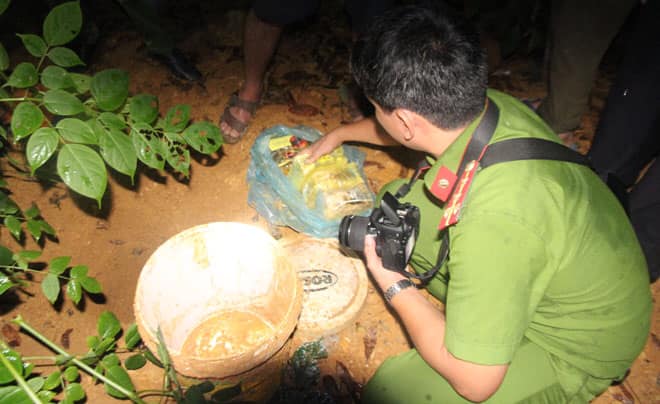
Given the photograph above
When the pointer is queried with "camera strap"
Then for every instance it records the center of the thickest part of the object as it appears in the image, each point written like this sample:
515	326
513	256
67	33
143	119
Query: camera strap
473	152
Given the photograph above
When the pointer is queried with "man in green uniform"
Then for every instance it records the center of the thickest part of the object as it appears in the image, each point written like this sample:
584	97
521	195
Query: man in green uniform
546	290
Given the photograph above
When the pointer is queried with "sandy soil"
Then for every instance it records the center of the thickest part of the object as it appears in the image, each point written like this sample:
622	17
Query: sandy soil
115	241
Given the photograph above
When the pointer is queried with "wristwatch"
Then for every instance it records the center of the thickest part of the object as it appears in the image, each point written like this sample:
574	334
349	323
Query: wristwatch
396	288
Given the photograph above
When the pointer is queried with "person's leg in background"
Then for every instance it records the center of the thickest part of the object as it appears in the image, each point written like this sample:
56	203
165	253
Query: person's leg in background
627	138
360	14
263	27
580	33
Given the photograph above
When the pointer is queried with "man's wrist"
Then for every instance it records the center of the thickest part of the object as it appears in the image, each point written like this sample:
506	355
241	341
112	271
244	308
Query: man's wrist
396	288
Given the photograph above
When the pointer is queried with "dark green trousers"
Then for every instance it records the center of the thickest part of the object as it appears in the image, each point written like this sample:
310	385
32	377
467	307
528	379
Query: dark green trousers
580	32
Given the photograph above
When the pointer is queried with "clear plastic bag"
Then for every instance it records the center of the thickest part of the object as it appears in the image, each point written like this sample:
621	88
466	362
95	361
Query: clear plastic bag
310	198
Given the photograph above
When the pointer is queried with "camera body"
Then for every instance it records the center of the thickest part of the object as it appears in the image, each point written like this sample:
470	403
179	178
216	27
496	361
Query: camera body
395	226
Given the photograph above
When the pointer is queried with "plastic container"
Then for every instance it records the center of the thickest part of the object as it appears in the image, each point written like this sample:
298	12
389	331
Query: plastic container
225	297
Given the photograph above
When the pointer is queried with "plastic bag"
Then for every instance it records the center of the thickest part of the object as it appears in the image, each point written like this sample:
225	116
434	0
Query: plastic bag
310	198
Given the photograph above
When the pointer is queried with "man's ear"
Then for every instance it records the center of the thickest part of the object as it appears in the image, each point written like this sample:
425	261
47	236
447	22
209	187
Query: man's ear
407	119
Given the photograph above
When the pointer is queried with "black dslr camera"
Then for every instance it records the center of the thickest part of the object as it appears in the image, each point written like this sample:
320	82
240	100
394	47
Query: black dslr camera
395	226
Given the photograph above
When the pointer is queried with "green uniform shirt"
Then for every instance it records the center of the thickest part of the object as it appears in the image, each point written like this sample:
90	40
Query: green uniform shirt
543	251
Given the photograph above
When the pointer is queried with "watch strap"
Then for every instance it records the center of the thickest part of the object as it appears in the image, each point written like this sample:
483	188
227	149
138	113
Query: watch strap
396	288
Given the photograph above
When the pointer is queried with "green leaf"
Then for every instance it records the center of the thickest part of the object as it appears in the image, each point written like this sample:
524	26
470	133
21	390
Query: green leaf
106	344
28	255
118	375
46	396
3	5
177	118
5	283
74	290
60	102
4	58
34	229
90	285
63	23
82	170
71	374
24	75
6	256
74	392
27	369
36	383
45	227
117	151
14	226
53	380
40	147
152	358
108	326
34	44
7	205
81	82
64	57
174	137
135	362
79	271
92	341
58	265
14	395
76	131
14	359
50	286
56	78
110	120
179	159
26	119
204	137
143	108
110	360
32	212
110	88
148	147
132	337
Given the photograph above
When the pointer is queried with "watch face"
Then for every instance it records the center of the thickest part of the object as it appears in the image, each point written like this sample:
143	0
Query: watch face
410	245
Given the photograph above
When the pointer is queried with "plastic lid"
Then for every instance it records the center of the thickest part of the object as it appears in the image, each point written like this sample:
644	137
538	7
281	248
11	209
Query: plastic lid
335	286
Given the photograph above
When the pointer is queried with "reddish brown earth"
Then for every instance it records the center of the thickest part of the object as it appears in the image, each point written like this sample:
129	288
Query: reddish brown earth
115	241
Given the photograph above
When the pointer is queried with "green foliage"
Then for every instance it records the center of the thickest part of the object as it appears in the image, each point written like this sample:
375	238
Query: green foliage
101	362
87	122
17	220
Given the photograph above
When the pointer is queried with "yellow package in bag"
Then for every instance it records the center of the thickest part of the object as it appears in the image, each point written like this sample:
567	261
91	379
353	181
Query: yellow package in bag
332	184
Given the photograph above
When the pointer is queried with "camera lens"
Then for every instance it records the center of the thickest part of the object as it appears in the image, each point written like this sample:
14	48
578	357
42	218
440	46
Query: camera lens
352	231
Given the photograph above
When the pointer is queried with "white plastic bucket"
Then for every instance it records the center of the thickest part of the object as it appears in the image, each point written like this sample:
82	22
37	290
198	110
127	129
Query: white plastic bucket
224	296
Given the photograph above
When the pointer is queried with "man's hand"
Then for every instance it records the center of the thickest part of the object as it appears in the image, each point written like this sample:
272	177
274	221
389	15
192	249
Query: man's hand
383	276
321	147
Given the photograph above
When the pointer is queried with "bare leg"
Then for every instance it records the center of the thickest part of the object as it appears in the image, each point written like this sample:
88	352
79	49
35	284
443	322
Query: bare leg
259	43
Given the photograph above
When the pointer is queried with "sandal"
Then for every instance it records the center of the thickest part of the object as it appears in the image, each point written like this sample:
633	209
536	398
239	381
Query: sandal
234	123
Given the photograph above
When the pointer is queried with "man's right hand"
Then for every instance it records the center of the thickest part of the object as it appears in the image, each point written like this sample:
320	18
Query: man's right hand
321	147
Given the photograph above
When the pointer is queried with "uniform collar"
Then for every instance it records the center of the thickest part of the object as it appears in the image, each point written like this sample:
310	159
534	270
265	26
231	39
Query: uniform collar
440	178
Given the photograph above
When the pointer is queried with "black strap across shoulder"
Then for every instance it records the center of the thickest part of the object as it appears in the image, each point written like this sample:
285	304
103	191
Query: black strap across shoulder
530	149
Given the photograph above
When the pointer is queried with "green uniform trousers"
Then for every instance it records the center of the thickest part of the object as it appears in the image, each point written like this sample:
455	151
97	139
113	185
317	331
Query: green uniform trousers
407	378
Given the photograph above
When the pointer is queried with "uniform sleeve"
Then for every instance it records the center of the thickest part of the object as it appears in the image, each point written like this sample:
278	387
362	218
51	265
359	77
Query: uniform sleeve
497	265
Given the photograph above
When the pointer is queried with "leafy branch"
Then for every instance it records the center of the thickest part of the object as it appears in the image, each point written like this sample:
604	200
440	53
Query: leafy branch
86	122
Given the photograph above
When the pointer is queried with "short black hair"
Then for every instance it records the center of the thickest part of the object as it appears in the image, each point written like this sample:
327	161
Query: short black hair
426	59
